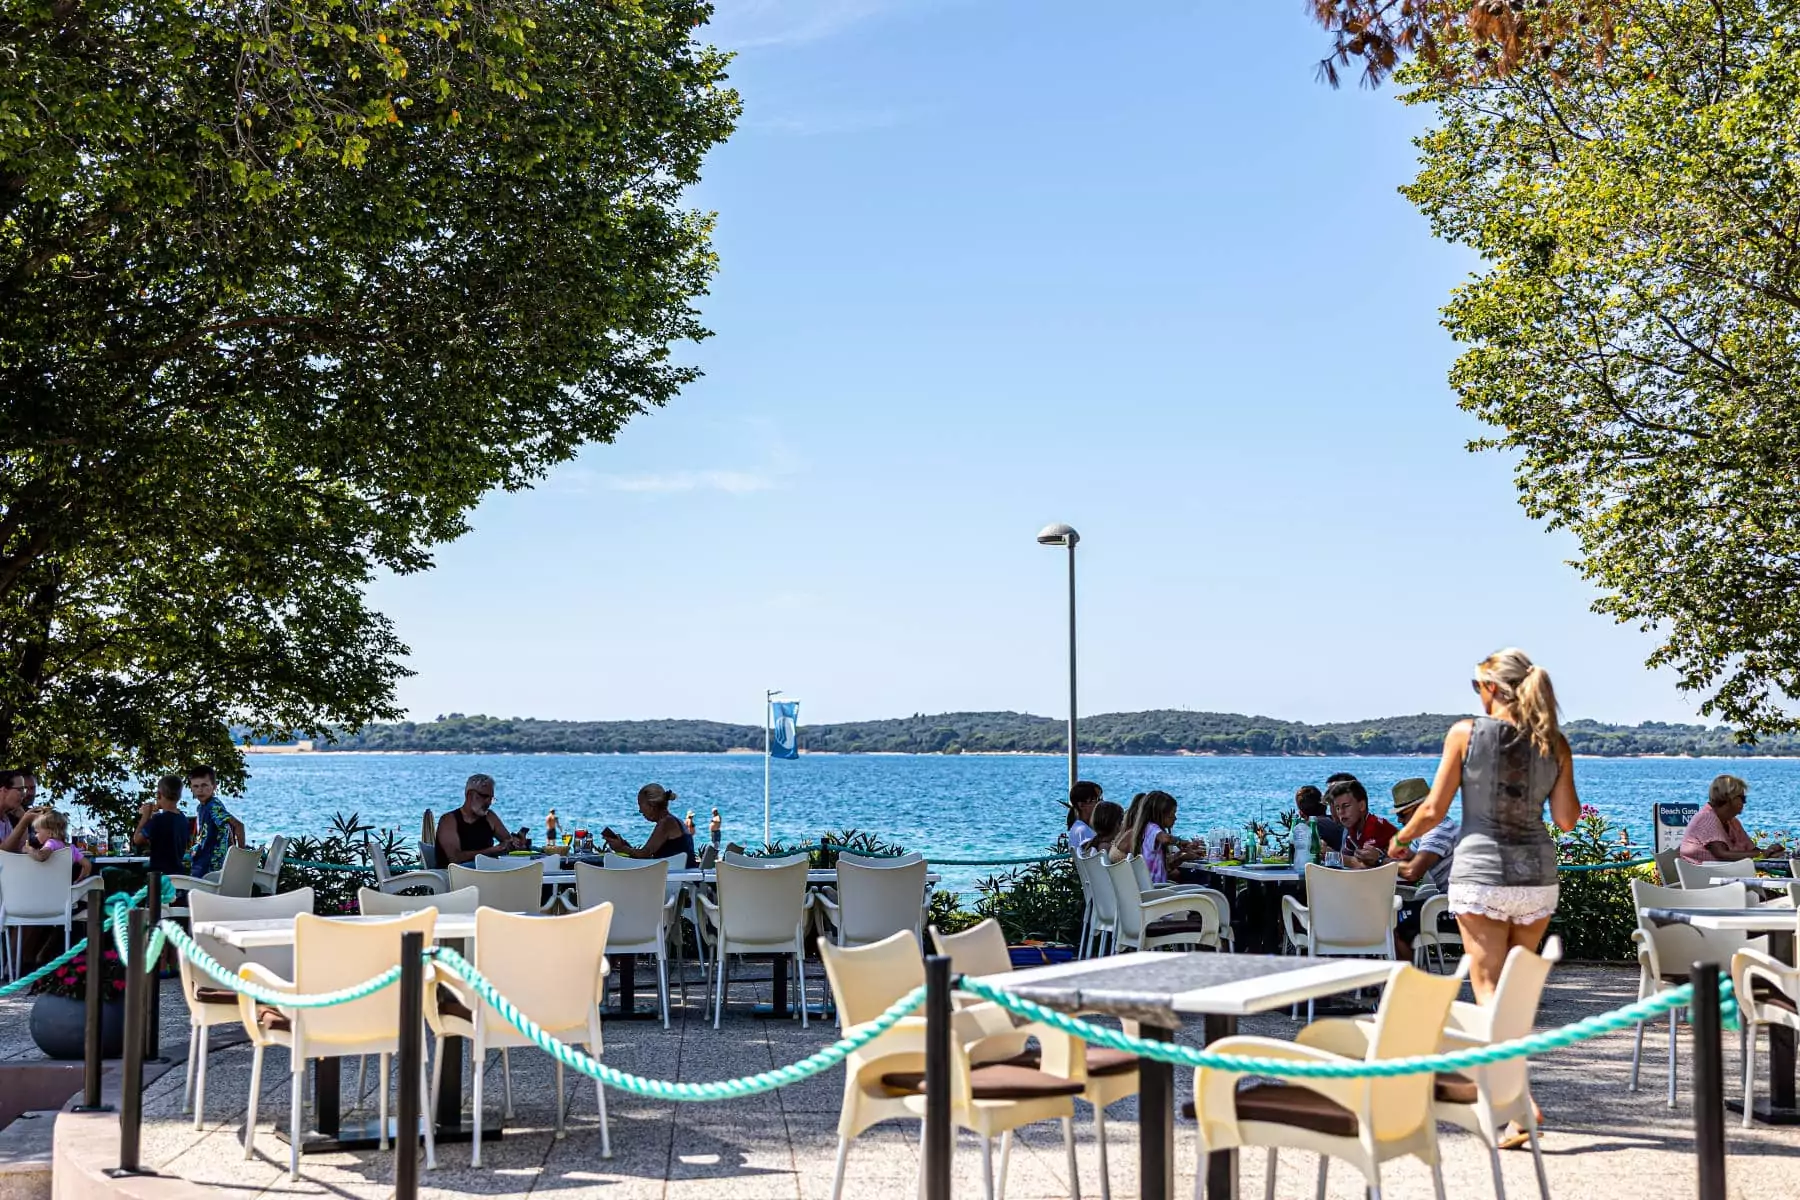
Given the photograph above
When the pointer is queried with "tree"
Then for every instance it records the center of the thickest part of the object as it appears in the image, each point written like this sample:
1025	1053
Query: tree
1495	37
1632	333
285	290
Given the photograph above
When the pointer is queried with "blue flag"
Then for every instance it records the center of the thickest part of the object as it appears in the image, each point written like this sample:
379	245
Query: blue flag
784	729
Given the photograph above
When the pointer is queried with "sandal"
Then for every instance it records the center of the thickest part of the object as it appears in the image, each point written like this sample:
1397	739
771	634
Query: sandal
1513	1137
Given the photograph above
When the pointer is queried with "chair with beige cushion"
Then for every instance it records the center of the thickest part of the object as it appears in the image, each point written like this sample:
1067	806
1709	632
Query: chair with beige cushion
554	970
1666	952
211	1003
330	956
517	889
886	1078
1108	1075
1365	1121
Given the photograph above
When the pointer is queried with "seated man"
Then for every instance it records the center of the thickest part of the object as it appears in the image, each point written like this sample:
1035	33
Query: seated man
668	838
1309	802
16	813
1715	834
1426	864
1366	836
474	830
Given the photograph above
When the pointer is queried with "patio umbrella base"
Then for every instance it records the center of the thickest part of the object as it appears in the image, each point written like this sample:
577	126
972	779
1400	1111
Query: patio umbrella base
1766	1113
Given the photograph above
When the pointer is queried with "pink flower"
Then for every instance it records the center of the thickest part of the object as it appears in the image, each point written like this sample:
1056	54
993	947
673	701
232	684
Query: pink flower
111	956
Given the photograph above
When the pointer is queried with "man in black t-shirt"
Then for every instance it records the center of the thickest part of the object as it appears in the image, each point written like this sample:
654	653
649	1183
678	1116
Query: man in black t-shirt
163	828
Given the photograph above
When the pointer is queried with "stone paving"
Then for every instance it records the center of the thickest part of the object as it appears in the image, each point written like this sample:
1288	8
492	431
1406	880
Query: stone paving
1602	1140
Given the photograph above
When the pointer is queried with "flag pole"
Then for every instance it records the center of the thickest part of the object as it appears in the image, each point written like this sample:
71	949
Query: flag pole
768	725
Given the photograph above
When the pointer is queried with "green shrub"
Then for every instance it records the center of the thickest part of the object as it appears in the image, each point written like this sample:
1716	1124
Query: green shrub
1594	914
1042	900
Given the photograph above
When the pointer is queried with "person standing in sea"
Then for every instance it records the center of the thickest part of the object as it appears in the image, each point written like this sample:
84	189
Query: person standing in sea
1507	764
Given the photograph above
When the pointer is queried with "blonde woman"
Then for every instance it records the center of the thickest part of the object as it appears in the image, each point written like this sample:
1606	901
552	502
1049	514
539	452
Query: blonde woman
1506	764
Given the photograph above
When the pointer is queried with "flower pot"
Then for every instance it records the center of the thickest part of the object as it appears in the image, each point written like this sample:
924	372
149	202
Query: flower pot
59	1027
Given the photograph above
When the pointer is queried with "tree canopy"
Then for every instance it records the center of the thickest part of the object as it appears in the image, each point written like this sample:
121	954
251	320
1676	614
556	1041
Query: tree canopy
1632	333
285	290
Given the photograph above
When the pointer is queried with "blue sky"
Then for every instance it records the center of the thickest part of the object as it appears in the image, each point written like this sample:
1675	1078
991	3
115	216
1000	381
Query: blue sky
988	265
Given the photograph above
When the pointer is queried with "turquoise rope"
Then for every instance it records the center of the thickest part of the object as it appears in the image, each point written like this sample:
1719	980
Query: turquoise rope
1460	1060
1605	866
114	904
195	954
660	1089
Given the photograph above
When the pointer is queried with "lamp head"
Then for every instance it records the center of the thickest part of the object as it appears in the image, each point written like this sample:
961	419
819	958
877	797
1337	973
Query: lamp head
1057	535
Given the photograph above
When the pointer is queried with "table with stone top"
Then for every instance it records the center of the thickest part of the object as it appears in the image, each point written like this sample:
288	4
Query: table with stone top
1157	990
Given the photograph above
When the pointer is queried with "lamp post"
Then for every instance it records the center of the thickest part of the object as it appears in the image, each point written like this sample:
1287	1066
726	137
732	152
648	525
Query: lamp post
1064	535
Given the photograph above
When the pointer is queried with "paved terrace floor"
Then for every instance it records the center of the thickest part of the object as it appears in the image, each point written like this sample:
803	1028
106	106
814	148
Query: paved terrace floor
1601	1141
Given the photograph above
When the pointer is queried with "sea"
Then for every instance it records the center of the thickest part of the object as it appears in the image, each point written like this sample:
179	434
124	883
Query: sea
949	806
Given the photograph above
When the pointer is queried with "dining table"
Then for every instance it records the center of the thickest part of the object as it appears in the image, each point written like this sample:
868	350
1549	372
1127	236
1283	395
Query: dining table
1158	990
330	1131
1779	924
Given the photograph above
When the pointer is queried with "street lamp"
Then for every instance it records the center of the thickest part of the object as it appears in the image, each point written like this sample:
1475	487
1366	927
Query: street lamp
1064	535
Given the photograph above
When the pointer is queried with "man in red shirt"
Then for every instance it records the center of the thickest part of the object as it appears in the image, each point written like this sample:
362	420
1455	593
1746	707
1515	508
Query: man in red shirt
1366	836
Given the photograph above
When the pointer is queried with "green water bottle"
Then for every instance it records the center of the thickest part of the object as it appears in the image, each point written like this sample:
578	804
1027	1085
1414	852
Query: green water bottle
1314	850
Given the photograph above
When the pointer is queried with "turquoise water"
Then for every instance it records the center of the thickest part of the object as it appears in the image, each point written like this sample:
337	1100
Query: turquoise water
955	807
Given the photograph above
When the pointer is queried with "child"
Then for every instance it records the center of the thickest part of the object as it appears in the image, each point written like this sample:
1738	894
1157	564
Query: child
163	828
52	829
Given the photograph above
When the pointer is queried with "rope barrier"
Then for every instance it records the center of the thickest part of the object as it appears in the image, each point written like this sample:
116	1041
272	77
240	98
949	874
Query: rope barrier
1605	866
660	1089
115	904
1481	1056
197	955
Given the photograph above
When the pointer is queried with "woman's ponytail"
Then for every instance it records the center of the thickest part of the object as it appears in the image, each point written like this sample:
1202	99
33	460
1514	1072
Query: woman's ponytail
1526	690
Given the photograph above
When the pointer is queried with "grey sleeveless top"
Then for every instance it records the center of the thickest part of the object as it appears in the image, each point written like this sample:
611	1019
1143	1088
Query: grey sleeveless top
1505	783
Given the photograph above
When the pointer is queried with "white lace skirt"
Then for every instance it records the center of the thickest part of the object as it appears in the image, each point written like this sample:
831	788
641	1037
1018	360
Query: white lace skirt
1514	905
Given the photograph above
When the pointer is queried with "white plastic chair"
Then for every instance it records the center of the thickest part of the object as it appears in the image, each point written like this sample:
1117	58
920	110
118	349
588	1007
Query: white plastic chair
886	1078
876	900
1666	952
1768	993
210	1003
1347	914
1666	874
39	894
1364	1121
1109	1075
237	877
371	902
1701	875
1431	939
392	882
643	911
267	875
329	956
1102	922
1178	919
517	889
554	970
758	910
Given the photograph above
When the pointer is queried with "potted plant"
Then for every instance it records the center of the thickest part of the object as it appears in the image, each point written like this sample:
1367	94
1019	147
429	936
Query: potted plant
59	1011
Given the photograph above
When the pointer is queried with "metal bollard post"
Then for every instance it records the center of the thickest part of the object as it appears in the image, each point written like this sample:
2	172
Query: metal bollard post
153	994
1709	1082
412	1065
96	950
937	1077
131	1083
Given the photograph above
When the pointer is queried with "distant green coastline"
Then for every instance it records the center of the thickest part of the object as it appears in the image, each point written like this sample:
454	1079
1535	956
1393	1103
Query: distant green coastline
1159	731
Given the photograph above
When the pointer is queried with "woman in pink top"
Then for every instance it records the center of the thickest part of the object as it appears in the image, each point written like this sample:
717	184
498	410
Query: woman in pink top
1715	834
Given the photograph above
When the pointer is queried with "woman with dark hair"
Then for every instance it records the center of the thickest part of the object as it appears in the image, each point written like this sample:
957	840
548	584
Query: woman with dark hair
668	837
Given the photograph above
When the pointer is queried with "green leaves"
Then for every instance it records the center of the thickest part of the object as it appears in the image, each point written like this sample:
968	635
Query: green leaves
1632	335
283	294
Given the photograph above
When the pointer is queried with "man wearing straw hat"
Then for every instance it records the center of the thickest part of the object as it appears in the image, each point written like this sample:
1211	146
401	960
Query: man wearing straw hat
1427	864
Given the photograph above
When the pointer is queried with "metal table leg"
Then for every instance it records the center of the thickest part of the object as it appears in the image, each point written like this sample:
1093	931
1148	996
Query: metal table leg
1156	1120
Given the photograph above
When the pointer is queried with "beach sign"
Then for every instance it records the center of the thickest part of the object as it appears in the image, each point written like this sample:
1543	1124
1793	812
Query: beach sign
1671	821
